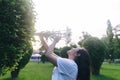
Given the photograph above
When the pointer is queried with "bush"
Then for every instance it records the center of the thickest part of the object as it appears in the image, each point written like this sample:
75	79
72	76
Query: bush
16	32
96	50
64	51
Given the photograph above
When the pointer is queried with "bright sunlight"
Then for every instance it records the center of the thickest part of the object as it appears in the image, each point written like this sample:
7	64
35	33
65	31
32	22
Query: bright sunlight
79	15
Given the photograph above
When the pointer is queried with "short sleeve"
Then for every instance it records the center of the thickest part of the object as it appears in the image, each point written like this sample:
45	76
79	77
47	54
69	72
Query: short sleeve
66	66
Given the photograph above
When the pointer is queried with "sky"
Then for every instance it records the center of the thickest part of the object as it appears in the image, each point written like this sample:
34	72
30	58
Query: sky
79	15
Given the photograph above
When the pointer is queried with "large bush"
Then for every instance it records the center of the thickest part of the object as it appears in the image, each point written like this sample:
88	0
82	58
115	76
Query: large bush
96	50
16	32
22	63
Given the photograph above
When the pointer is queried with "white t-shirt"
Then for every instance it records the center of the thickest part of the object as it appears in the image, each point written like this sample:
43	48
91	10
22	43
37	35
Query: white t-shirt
66	70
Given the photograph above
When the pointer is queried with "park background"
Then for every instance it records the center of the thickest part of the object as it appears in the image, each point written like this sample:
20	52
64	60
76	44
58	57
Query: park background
21	19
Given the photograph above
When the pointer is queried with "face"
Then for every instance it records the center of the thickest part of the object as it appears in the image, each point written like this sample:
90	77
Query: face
72	52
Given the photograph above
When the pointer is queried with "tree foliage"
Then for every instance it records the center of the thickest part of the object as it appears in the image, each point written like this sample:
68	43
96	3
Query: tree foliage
106	43
64	51
112	42
22	63
85	36
109	31
16	32
109	39
116	41
96	50
116	49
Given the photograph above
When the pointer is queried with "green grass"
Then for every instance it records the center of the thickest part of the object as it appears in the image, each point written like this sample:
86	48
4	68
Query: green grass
35	71
108	72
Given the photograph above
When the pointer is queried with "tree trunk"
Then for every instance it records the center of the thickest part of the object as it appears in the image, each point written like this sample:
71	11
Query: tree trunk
15	73
95	71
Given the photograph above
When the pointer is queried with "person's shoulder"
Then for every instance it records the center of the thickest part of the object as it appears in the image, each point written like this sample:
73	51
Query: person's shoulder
61	59
65	60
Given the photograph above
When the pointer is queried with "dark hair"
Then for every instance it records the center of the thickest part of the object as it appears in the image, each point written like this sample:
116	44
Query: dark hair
83	62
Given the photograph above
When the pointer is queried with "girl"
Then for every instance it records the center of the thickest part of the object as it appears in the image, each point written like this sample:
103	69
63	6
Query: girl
75	67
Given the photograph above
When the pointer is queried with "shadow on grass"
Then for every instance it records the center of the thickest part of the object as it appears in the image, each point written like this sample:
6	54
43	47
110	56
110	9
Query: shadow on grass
6	79
102	77
94	77
12	79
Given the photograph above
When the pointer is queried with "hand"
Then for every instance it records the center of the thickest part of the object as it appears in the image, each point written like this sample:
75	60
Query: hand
57	38
43	42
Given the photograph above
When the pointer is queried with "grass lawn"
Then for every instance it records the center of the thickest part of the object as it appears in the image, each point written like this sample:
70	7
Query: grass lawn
35	71
108	72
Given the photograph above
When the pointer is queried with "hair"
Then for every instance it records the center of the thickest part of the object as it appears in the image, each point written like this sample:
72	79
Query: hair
83	62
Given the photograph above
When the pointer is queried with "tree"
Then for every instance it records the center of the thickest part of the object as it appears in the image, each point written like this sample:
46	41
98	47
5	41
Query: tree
110	38
64	51
22	63
116	48
57	51
104	39
42	52
16	32
73	45
116	41
85	36
109	31
96	49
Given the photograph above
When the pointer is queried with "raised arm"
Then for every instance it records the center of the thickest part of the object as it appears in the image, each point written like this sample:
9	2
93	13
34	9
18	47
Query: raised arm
43	42
52	57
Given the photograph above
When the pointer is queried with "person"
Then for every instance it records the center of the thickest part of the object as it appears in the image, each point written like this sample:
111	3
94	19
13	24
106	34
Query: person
75	67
